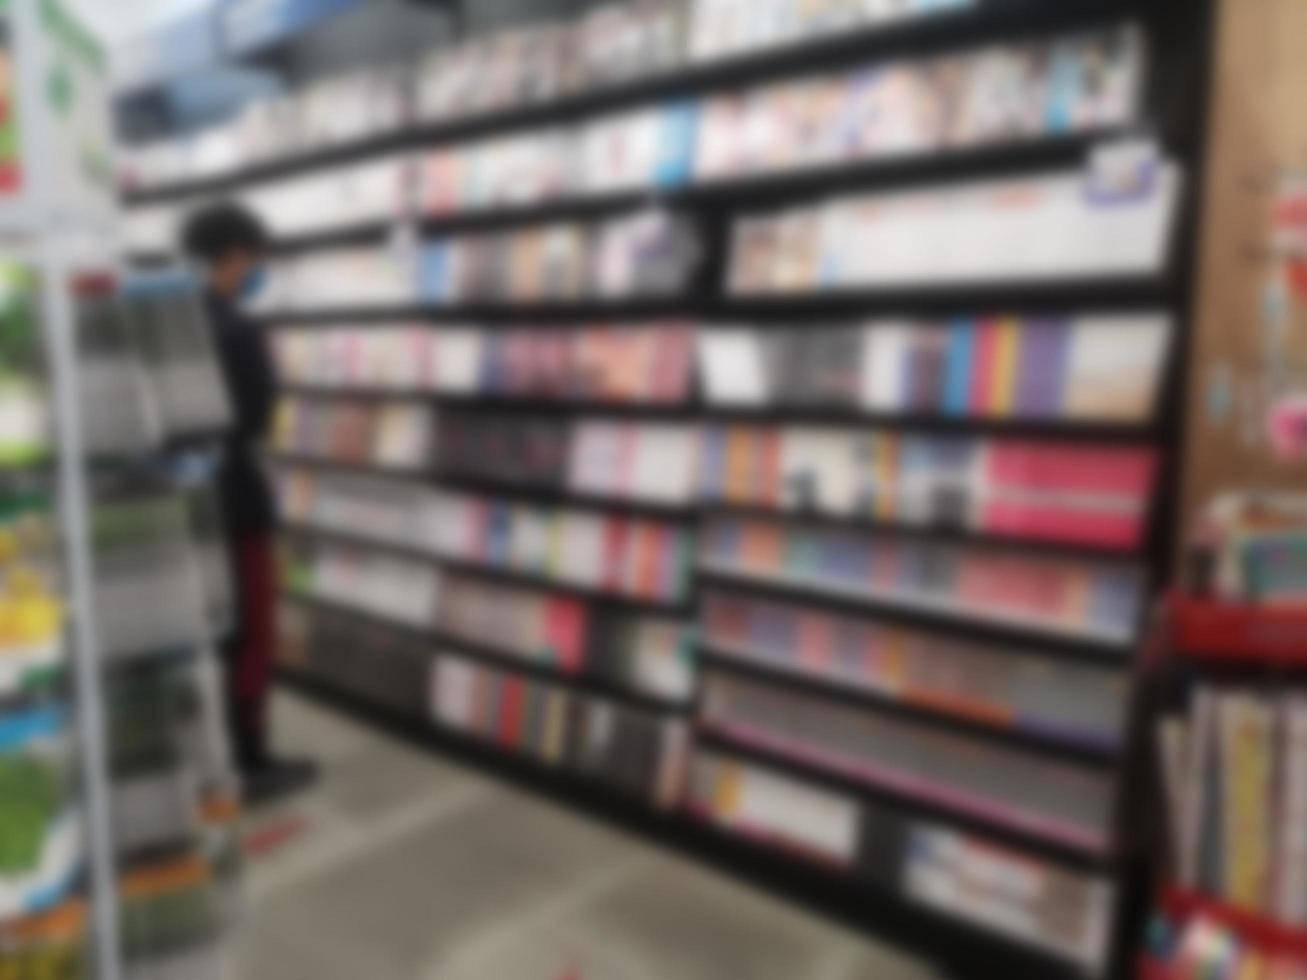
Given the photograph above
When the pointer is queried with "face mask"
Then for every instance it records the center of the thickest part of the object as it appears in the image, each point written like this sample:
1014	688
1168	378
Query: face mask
254	282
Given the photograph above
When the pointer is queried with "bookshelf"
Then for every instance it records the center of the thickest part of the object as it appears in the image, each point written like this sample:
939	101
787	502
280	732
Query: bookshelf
1225	709
879	561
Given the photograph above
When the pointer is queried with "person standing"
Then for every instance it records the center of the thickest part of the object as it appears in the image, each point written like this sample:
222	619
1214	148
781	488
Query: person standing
230	245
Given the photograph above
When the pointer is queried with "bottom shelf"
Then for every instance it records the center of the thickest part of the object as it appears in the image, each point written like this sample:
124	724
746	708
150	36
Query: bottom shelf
1194	935
870	894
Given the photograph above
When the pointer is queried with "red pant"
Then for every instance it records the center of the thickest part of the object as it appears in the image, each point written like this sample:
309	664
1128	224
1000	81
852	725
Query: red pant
251	651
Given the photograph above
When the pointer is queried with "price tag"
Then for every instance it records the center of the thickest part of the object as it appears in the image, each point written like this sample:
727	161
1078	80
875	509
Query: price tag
1123	171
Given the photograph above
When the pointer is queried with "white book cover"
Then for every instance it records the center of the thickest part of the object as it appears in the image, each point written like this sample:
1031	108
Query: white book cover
596	464
666	464
1291	816
529	540
885	346
456	366
816	821
580	549
1115	366
732	366
1247	751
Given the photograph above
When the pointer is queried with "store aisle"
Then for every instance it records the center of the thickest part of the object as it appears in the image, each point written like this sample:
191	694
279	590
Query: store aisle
402	866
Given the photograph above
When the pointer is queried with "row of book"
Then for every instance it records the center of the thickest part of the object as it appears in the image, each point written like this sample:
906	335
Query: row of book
730	28
1098	601
388	435
640	652
1052	227
635	558
1076	368
1055	226
650	253
636	752
1005	686
403	590
1068	803
591	458
1046	491
1050	491
649	362
610	44
373	661
1234	763
1018	91
1080	83
963	875
607	460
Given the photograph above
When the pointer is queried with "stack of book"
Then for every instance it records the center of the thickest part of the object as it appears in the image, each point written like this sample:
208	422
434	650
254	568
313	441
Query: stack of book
1235	767
388	666
342	278
1052	227
645	149
402	590
647	254
1096	601
617	363
640	559
1032	900
512	450
637	752
1002	685
375	191
721	29
634	461
1051	491
641	363
394	435
1075	369
1063	802
999	94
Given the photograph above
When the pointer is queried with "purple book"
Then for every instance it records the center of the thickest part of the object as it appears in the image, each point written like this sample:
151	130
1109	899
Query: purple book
1041	368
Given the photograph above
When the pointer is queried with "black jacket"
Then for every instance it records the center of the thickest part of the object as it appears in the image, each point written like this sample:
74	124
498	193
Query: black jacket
248	502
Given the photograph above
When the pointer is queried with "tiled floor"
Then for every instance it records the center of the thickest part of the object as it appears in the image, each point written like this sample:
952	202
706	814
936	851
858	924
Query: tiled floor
400	866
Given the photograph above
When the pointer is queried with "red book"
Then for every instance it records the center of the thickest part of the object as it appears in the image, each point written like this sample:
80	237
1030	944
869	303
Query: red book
767	482
984	367
512	712
566	632
617	532
815	640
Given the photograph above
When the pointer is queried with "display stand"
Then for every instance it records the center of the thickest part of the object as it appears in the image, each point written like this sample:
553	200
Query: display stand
892	829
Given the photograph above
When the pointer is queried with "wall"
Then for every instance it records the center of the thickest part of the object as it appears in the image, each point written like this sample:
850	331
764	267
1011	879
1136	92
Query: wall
1258	132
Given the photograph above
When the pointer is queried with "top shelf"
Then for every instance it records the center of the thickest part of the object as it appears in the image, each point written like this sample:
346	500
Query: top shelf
1007	19
1212	631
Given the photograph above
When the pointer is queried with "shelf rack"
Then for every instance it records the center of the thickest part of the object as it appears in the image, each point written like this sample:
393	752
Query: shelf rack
1178	35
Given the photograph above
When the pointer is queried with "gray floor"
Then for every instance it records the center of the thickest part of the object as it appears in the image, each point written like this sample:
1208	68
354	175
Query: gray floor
401	866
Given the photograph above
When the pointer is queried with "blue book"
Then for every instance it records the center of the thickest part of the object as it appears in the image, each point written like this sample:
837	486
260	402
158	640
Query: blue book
433	271
676	144
957	375
712	486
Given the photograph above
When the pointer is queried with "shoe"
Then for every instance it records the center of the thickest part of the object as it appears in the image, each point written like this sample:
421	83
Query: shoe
275	780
